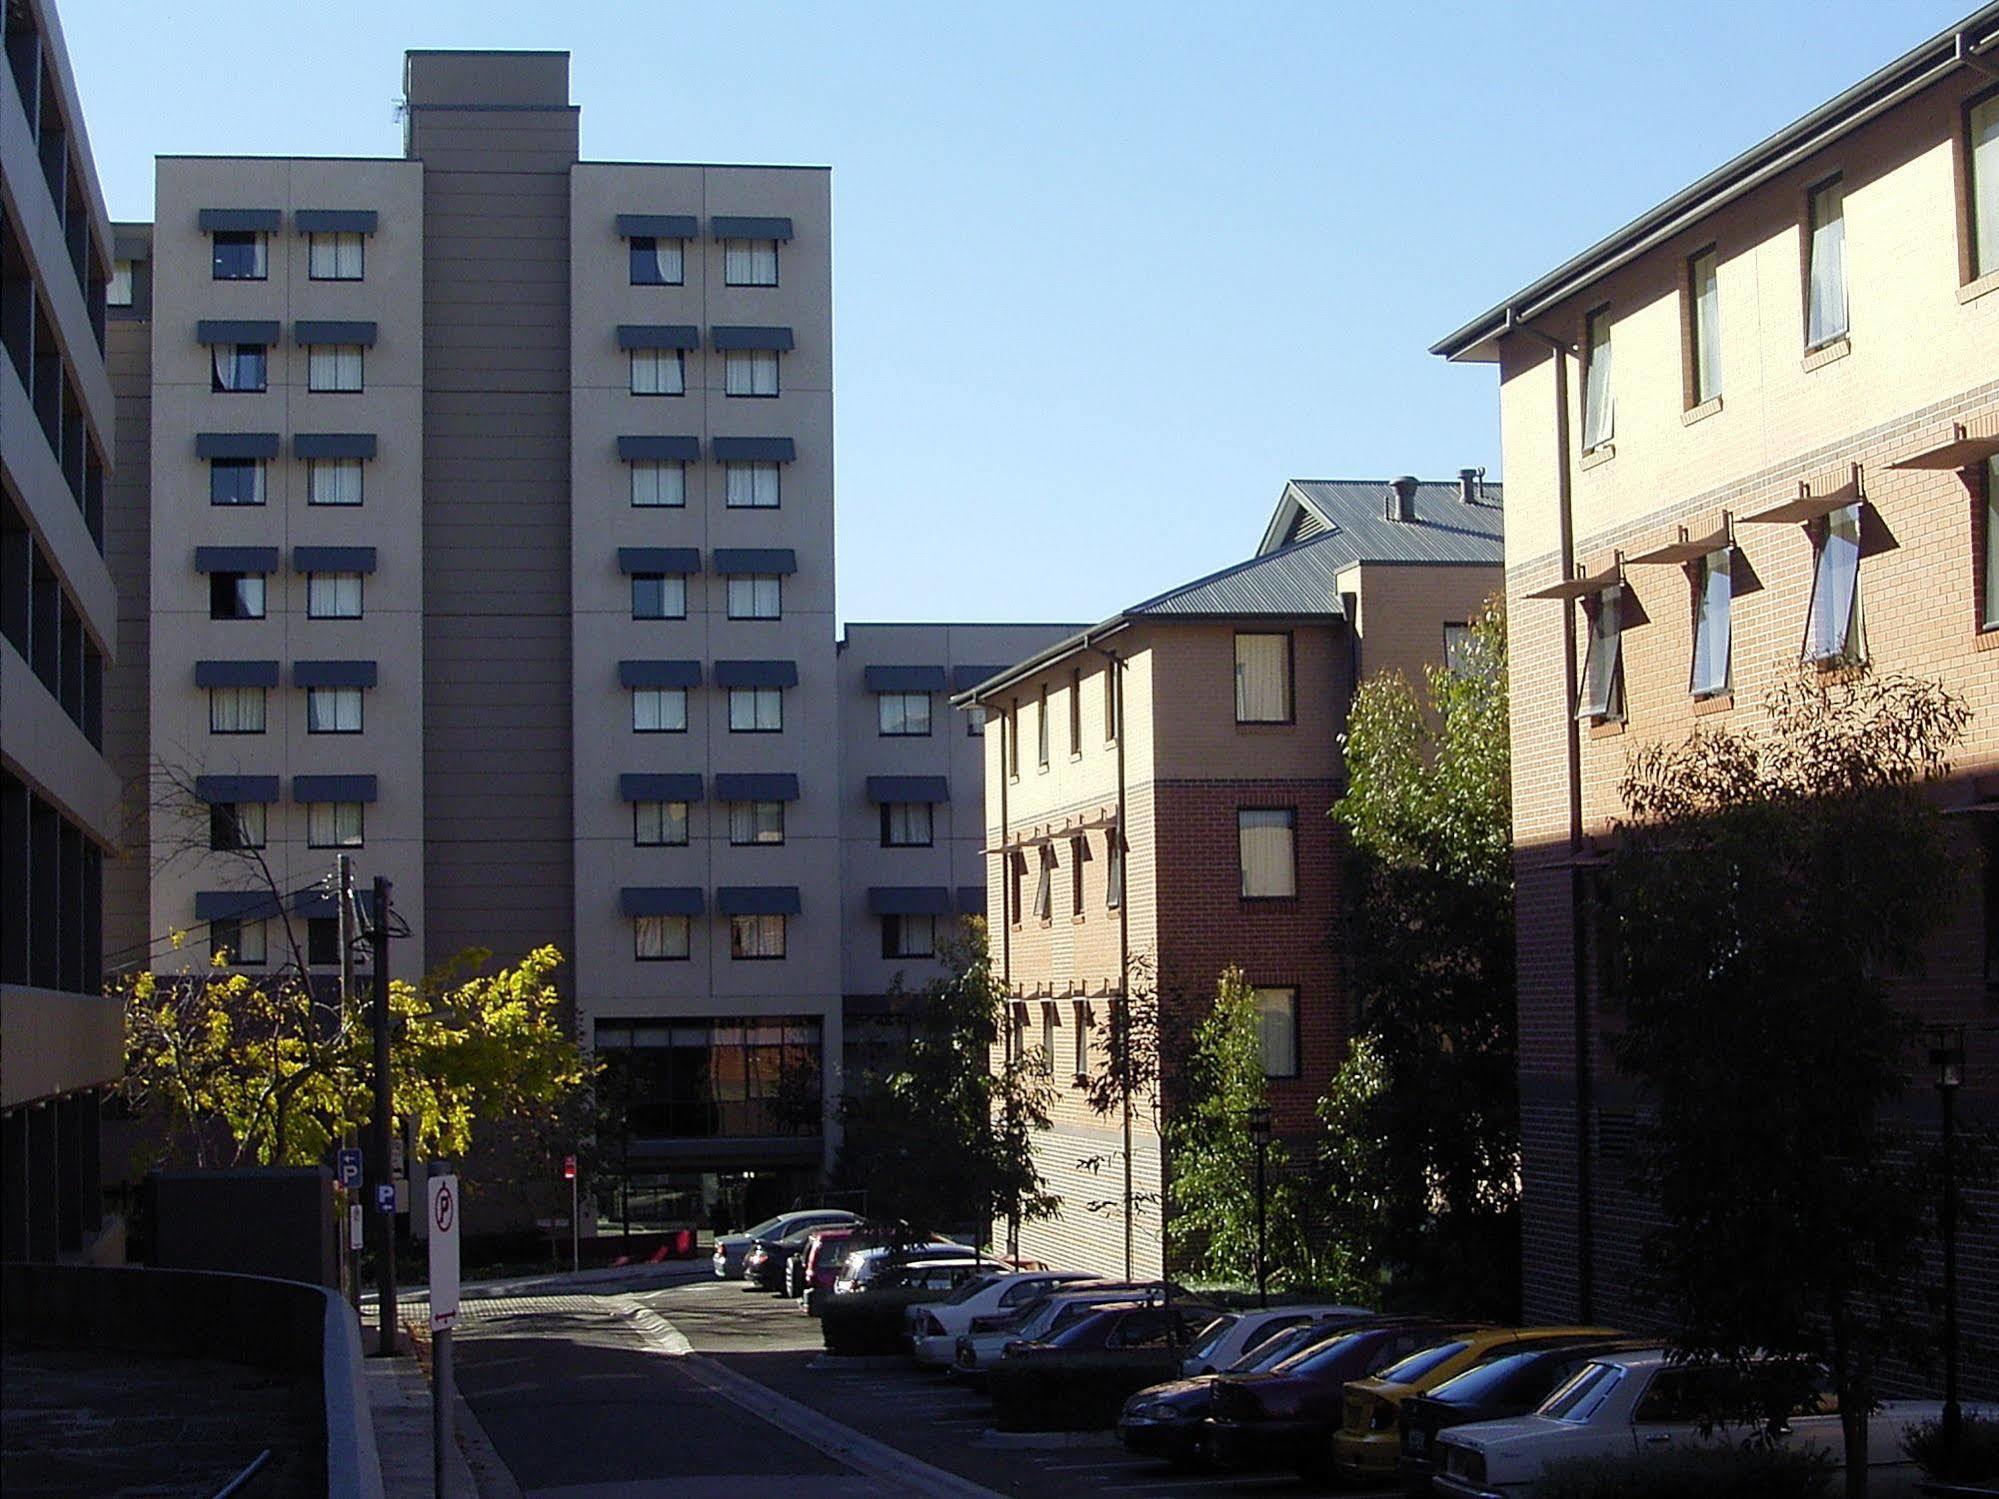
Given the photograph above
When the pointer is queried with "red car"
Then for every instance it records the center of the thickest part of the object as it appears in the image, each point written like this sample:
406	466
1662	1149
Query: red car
824	1253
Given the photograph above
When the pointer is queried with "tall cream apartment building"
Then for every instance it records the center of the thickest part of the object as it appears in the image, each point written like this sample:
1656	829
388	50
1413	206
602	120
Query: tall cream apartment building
1753	430
490	499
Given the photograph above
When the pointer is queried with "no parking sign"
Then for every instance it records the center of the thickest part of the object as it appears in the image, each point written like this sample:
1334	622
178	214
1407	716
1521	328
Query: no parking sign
443	1252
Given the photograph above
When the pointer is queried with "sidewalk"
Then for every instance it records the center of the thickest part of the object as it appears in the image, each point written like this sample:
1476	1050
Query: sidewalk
399	1404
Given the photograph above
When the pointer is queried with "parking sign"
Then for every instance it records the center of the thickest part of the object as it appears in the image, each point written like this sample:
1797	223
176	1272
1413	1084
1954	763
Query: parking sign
443	1252
349	1168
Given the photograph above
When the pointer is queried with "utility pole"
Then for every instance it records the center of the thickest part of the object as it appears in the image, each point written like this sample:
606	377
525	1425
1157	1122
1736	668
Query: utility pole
347	934
379	1175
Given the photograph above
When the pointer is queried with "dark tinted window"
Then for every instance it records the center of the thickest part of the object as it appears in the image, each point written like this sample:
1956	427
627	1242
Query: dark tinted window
1516	1378
1419	1364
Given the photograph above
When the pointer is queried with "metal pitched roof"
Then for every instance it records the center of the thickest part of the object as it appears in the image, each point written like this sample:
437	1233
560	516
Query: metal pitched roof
1354	513
1299	579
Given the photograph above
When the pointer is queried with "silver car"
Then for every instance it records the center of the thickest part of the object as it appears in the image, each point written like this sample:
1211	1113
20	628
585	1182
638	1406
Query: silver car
732	1249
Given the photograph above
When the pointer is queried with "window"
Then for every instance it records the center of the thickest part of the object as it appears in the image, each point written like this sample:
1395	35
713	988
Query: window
333	481
756	937
1603	671
239	943
235	595
903	714
1265	838
750	486
1457	646
1113	700
1010	732
1989	615
1044	1063
240	255
333	710
1703	329
1836	633
235	481
756	596
1017	1034
1277	1030
1075	712
235	710
1263	679
659	824
234	825
1079	855
658	262
756	710
907	825
322	941
975	723
1044	889
1825	265
1079	1040
1041	731
1982	188
1599	404
749	372
659	372
118	290
333	595
659	596
1713	595
749	262
909	936
661	938
1114	847
239	369
333	368
1016	871
658	482
333	825
753	824
336	256
659	710
697	1077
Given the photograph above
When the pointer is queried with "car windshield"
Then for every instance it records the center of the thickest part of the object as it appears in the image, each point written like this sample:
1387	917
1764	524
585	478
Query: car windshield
1206	1339
1502	1378
1578	1400
969	1289
1274	1351
1322	1356
763	1228
1418	1364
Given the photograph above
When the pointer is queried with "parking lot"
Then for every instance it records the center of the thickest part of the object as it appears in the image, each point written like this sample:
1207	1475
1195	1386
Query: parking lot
929	1416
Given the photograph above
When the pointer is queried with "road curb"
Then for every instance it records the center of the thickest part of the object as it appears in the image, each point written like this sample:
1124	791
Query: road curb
896	1470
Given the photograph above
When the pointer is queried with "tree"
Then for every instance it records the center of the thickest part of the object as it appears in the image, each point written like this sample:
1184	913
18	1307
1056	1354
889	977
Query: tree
942	1141
1422	1178
1767	886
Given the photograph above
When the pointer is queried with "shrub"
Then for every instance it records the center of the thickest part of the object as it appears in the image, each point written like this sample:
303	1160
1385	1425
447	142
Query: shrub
1976	1459
1691	1473
1072	1391
869	1321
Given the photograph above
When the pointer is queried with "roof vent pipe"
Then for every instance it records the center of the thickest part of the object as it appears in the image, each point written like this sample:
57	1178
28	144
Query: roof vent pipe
1471	486
1402	498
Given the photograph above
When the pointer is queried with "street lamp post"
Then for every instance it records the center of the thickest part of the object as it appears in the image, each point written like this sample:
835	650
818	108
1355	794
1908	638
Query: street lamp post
1947	1056
1259	1133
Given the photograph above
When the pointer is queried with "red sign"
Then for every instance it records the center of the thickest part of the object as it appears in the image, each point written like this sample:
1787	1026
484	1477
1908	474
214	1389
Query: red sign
569	1168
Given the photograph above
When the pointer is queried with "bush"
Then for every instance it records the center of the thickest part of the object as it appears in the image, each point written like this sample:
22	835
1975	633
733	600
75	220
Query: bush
869	1321
1072	1391
1691	1473
1976	1459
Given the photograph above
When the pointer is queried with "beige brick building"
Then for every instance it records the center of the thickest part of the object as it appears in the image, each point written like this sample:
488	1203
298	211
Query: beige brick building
1753	427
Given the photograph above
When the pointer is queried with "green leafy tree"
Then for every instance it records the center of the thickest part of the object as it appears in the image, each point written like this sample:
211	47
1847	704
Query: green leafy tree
1213	1182
1421	1180
1767	886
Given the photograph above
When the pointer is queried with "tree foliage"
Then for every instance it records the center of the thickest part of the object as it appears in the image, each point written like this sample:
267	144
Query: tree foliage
1421	1178
1768	886
1213	1183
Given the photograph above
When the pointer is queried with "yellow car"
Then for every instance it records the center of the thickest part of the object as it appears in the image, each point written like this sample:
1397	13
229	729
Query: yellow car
1367	1444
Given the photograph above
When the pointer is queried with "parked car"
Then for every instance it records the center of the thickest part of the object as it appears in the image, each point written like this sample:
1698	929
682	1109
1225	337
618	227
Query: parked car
1635	1403
1224	1341
1368	1442
1167	1421
825	1252
732	1249
979	1347
1276	1417
1150	1326
934	1326
864	1265
1500	1389
763	1266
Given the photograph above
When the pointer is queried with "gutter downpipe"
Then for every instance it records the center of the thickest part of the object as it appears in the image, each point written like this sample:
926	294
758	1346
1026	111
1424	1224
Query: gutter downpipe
1114	683
1578	977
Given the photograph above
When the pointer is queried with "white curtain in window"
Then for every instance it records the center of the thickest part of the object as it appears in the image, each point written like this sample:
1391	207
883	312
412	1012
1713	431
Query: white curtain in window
333	825
669	258
1269	868
755	596
1600	694
1599	401
118	290
658	482
1834	632
236	710
659	710
333	481
1707	328
750	372
251	823
333	710
658	372
660	822
1277	1029
1827	319
908	823
1711	623
756	710
757	936
751	486
915	936
334	367
1114	847
749	262
335	257
756	822
1262	678
333	595
236	367
1985	187
660	936
245	941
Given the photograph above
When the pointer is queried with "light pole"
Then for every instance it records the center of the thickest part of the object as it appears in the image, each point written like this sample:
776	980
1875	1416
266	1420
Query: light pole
1947	1056
1259	1133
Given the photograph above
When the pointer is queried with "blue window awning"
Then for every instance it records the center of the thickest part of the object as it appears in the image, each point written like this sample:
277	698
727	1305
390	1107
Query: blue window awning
738	337
235	444
233	789
660	449
739	787
905	678
333	559
674	787
235	331
659	673
235	673
882	789
257	220
659	559
658	226
307	334
333	445
757	900
661	900
333	674
753	449
909	900
971	900
236	905
756	673
965	678
658	336
348	788
755	560
334	220
737	226
235	559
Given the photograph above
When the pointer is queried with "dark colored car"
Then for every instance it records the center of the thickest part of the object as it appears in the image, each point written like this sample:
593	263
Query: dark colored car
764	1266
1168	1421
1121	1327
1278	1417
1500	1389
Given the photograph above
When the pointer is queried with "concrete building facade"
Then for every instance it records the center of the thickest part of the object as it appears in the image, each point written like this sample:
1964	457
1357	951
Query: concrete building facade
1755	429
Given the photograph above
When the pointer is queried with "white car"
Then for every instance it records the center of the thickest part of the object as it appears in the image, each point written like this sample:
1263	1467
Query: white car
1635	1403
934	1325
1233	1334
863	1265
732	1249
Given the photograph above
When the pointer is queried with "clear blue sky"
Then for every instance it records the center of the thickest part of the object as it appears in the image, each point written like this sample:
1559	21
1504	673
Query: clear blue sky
1105	275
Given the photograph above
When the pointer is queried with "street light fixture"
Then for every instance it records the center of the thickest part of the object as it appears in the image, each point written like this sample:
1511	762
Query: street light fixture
1947	1056
1259	1134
